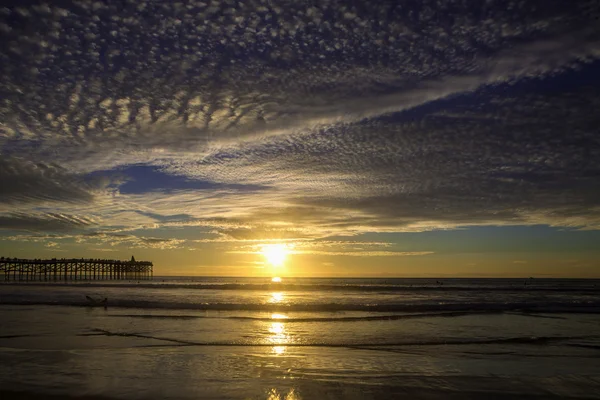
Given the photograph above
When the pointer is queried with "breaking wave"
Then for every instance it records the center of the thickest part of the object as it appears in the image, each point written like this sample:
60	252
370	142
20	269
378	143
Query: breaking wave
388	346
539	307
518	286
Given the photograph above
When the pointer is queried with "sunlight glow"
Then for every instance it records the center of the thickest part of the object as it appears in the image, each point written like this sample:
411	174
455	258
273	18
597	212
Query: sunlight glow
275	254
276	279
279	316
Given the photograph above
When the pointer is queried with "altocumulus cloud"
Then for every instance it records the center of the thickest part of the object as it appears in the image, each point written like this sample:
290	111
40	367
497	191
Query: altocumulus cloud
350	118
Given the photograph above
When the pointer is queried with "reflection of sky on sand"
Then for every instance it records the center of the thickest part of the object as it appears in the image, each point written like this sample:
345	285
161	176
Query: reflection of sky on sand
275	394
278	370
149	354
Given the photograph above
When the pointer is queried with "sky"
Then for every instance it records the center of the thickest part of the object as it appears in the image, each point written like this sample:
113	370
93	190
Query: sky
361	138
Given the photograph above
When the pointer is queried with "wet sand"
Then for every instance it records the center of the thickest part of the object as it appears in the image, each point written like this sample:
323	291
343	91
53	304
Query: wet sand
151	353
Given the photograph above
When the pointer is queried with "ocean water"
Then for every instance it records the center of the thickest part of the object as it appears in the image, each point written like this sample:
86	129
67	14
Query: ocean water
249	338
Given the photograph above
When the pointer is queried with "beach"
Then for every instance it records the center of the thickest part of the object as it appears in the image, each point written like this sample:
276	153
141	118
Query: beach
226	338
299	200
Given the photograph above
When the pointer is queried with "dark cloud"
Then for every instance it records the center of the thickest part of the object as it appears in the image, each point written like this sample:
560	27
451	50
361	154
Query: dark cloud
23	181
44	222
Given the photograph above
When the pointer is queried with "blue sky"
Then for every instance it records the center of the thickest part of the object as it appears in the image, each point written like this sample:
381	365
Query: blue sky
424	138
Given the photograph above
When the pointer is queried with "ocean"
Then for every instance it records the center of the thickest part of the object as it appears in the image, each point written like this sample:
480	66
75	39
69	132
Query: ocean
250	338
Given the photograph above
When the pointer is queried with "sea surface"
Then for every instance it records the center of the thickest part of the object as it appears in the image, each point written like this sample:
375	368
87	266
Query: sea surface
250	338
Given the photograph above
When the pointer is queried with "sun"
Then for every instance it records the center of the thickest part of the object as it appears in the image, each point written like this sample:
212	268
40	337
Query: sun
275	254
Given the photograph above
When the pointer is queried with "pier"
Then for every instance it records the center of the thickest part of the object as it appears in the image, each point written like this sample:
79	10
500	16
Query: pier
23	270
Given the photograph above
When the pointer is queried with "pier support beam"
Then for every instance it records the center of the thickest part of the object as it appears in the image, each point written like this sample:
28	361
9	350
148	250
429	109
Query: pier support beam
73	269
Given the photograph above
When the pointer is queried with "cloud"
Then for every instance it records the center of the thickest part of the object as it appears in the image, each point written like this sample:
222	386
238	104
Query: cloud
504	160
24	181
351	253
44	222
281	122
223	83
99	238
349	248
131	241
103	249
369	253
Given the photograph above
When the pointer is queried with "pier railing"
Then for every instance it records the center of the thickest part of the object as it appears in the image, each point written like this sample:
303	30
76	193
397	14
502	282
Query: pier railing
15	269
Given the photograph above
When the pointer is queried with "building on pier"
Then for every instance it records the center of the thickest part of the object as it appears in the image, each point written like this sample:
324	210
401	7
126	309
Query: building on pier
72	269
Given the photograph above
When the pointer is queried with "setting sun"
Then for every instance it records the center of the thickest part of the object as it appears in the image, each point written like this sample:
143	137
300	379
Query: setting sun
275	254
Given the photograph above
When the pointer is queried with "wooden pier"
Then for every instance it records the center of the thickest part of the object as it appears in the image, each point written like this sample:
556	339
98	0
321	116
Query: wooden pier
63	269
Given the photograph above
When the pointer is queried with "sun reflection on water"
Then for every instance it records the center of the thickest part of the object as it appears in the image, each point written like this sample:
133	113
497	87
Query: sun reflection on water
276	297
278	334
278	330
278	337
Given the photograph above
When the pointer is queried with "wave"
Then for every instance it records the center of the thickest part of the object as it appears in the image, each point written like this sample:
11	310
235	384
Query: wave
305	287
392	317
518	340
523	307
